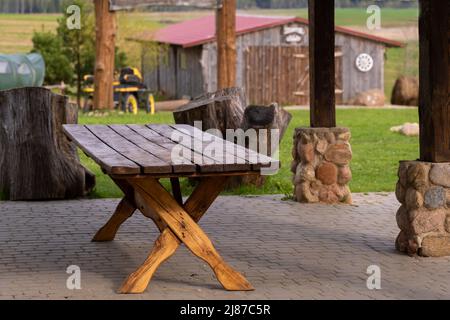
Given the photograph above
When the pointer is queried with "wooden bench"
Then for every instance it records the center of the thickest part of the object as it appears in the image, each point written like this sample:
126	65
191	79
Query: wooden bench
136	157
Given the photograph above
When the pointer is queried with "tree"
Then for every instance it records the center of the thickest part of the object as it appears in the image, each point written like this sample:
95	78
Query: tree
78	44
70	53
58	66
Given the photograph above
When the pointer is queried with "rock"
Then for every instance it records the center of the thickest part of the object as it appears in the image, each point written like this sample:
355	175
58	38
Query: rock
418	175
400	193
447	192
403	173
306	172
407	129
447	223
306	152
427	221
327	195
435	246
406	91
339	153
327	173
369	98
345	136
440	174
413	199
402	219
304	194
294	165
401	243
331	138
410	129
435	198
344	175
294	153
322	146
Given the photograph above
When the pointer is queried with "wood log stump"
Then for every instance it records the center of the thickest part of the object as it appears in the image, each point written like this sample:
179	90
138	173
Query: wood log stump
226	109
37	161
223	109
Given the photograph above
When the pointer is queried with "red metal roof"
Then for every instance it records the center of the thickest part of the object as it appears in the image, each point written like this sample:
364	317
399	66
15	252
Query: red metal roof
202	30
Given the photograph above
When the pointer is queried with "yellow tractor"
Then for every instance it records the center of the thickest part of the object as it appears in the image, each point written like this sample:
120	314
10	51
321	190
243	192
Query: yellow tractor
130	92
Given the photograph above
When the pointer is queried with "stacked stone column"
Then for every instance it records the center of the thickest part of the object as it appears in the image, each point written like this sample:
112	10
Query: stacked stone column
423	189
321	165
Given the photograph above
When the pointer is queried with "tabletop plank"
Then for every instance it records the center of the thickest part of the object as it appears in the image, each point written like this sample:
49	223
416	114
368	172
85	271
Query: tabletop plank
147	161
195	142
160	132
185	155
256	159
142	137
109	159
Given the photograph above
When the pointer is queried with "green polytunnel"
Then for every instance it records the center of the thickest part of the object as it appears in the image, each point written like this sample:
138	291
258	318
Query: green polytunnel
21	70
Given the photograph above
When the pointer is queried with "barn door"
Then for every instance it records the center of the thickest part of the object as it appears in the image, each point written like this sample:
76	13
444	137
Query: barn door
281	74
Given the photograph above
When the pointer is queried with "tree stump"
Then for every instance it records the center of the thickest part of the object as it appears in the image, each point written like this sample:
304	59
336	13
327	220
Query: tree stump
223	109
37	161
226	109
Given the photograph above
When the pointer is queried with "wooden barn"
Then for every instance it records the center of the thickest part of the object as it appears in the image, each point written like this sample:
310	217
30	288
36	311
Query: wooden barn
272	59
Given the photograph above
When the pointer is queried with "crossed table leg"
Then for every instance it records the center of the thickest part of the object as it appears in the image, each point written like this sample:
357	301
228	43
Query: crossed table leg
178	224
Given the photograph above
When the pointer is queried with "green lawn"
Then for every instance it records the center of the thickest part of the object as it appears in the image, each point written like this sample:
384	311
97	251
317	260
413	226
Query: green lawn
390	17
376	150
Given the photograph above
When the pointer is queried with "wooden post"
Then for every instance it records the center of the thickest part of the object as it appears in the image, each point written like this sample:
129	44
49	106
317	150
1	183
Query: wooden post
226	44
105	34
321	63
434	96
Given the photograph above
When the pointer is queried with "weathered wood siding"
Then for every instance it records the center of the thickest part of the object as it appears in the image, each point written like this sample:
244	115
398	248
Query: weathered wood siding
200	74
178	72
355	81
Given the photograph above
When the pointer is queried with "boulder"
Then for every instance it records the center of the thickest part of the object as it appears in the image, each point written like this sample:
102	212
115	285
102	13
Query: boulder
406	91
407	129
369	98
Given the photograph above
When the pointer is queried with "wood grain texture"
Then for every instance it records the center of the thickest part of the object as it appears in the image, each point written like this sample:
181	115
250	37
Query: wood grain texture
185	228
109	159
105	36
146	160
124	210
321	63
226	44
164	247
434	95
37	161
166	244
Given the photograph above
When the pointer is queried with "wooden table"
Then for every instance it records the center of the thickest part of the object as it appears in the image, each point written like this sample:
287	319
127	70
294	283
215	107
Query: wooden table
136	157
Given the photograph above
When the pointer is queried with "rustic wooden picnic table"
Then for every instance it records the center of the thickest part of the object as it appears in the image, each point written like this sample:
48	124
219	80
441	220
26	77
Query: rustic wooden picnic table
136	157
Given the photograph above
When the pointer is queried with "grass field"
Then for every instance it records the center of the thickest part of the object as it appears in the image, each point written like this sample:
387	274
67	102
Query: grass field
354	16
17	31
376	150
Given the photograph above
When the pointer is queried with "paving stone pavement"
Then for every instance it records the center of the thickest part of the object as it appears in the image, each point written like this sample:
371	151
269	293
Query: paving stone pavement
286	250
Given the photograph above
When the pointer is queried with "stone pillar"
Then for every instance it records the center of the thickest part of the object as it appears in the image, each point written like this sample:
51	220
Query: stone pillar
423	189
321	165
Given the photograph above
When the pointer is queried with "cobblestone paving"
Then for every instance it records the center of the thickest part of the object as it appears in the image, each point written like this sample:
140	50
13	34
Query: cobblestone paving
287	250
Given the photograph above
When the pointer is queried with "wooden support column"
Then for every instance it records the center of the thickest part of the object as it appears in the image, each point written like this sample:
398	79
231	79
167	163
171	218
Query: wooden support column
321	63
105	35
226	44
434	97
